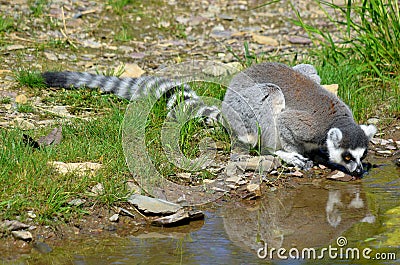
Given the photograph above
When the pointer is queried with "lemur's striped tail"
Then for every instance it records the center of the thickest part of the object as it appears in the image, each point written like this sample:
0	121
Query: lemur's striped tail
134	88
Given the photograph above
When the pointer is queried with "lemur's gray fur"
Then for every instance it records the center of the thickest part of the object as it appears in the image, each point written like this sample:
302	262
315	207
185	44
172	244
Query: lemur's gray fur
298	119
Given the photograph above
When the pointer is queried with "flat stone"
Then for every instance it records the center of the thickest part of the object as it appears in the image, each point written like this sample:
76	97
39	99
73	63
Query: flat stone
14	225
373	121
132	70
174	219
340	176
15	47
114	218
299	40
153	205
265	40
77	202
254	188
234	179
384	152
178	218
22	235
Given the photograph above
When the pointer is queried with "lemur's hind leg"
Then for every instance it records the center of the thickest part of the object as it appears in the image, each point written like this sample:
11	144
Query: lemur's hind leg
295	132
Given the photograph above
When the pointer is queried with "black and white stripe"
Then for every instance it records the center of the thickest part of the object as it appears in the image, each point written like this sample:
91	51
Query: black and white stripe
133	88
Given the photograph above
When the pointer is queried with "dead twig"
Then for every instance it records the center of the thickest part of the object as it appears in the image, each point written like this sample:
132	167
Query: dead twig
63	32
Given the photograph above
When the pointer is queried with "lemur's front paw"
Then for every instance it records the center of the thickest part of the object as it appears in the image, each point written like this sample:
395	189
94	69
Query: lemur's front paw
295	159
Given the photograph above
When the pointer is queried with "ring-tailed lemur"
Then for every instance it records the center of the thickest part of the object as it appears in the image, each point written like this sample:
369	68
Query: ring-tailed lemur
299	120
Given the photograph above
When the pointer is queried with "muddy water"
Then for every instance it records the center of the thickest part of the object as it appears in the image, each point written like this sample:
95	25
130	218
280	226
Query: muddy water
314	214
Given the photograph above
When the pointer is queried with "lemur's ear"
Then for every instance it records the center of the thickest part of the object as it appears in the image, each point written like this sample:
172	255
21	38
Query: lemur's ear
335	136
369	130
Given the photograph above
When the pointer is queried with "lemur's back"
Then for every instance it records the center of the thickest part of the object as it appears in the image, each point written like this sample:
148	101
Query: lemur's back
300	92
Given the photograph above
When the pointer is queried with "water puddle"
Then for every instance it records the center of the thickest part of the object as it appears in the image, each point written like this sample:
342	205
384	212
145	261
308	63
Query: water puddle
315	214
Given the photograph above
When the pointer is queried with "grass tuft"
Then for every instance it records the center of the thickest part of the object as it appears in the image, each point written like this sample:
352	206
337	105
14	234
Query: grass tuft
368	31
29	78
5	24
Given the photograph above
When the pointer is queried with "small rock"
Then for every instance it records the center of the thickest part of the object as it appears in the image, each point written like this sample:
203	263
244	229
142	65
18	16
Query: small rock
22	235
174	219
384	142
376	141
384	152
21	99
132	70
184	175
322	167
114	218
153	205
226	17
125	212
373	121
31	214
340	176
98	189
109	55
15	47
42	247
51	56
77	202
132	187
234	179
254	188
178	218
13	225
390	147
297	174
299	40
265	40
78	168
231	169
258	163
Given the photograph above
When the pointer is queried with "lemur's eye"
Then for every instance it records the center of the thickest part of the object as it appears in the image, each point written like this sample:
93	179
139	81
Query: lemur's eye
347	158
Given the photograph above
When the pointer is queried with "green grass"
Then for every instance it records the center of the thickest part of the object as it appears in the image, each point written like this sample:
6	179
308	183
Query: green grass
5	100
25	108
123	35
29	78
6	24
29	183
365	60
191	133
37	7
119	5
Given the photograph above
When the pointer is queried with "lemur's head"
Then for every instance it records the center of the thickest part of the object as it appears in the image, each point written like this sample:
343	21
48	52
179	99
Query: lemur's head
348	146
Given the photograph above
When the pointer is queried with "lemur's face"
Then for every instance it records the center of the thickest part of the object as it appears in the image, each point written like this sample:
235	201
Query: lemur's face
350	158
